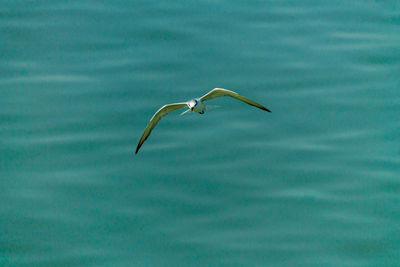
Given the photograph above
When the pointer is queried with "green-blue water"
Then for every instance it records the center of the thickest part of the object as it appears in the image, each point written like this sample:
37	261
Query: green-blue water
314	183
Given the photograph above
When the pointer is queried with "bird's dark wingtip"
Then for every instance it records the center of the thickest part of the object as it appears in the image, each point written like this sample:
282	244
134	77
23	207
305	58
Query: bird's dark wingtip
267	109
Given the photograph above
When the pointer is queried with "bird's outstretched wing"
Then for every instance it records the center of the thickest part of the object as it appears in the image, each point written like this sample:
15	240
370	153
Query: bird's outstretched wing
164	110
217	92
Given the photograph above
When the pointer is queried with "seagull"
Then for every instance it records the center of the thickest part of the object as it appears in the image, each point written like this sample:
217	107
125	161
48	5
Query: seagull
194	105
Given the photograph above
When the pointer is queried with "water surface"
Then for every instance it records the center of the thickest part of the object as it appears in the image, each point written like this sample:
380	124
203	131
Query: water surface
314	183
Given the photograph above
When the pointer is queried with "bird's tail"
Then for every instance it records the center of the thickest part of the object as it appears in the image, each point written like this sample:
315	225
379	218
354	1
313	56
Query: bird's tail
186	111
211	107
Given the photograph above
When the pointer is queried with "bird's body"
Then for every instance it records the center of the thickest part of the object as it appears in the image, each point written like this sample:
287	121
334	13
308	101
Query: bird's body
195	105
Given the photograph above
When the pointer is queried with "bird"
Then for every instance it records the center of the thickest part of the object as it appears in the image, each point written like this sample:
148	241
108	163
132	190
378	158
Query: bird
194	105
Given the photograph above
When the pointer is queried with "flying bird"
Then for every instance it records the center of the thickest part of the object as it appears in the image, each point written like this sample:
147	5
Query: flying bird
194	105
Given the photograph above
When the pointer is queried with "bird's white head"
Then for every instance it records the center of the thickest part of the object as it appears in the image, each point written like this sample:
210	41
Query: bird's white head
192	103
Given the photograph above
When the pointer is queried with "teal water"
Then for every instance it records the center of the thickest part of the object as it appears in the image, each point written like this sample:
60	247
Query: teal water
314	183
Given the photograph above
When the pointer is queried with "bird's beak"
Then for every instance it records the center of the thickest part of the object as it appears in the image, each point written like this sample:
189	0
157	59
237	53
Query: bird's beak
186	111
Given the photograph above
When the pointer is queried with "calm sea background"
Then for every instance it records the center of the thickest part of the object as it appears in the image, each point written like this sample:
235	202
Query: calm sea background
314	183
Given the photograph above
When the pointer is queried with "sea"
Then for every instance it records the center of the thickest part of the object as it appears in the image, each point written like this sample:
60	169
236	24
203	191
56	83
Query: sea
316	182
